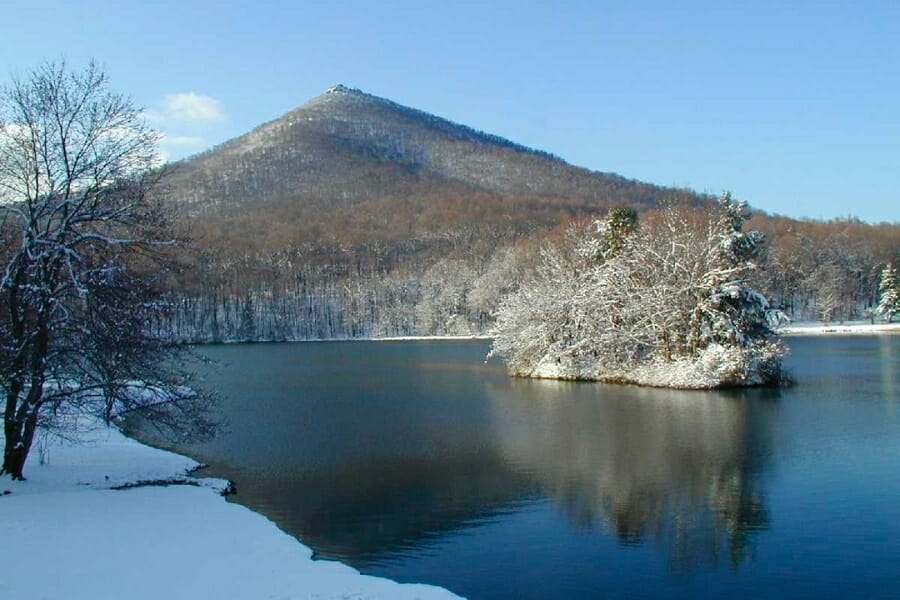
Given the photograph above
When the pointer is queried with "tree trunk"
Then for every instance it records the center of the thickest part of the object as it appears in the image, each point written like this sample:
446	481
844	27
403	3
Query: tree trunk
19	437
12	432
21	416
14	455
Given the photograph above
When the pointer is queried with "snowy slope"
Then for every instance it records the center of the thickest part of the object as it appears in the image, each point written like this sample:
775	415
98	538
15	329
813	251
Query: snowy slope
65	535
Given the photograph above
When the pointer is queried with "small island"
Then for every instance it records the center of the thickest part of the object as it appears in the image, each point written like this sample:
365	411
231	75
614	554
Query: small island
665	303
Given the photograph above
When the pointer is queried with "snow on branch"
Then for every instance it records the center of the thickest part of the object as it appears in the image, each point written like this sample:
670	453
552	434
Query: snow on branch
666	304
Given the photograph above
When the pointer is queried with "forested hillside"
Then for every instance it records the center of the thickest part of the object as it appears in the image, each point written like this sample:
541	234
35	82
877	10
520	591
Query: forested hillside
355	216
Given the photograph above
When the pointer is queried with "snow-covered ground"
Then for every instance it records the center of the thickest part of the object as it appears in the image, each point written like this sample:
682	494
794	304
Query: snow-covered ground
714	367
66	535
394	338
415	338
850	327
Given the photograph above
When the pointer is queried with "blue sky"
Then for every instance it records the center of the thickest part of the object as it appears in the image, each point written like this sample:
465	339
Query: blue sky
792	106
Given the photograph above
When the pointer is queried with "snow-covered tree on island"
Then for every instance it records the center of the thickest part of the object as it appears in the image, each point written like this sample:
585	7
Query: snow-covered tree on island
82	275
668	306
890	293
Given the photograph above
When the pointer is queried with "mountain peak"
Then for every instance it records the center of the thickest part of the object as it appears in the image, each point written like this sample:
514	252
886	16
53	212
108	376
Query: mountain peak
347	145
343	89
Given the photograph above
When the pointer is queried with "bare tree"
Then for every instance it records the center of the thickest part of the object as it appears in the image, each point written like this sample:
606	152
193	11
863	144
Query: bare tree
83	262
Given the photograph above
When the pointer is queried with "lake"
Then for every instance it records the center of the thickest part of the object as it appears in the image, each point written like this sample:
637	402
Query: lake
420	462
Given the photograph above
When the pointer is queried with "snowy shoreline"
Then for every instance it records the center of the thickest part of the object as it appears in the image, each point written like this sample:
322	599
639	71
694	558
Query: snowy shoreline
394	338
795	329
848	328
68	533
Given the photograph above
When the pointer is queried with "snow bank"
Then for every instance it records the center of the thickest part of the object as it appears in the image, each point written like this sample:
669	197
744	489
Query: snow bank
848	328
389	338
65	534
715	367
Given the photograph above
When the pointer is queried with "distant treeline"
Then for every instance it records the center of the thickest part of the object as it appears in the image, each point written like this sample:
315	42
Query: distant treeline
440	267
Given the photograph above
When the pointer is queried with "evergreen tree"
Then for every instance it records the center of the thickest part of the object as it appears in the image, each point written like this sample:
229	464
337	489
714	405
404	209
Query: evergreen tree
890	293
620	223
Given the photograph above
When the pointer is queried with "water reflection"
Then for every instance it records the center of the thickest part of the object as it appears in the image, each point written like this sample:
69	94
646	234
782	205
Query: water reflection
378	451
373	512
890	367
380	466
680	468
418	462
367	452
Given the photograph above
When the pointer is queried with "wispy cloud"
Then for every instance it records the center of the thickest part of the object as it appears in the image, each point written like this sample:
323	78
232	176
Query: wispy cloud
187	107
186	120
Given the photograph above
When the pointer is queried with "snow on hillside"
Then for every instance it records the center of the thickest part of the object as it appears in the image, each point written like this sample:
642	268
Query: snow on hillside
65	534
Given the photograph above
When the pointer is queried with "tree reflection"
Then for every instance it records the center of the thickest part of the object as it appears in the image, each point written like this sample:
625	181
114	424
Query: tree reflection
680	468
377	458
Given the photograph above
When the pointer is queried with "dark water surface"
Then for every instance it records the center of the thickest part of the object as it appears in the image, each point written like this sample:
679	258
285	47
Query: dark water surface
417	461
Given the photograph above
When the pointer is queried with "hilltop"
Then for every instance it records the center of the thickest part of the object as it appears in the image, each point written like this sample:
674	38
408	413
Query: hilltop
347	146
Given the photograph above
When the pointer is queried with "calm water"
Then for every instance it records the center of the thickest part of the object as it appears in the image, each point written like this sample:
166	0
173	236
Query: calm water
417	461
